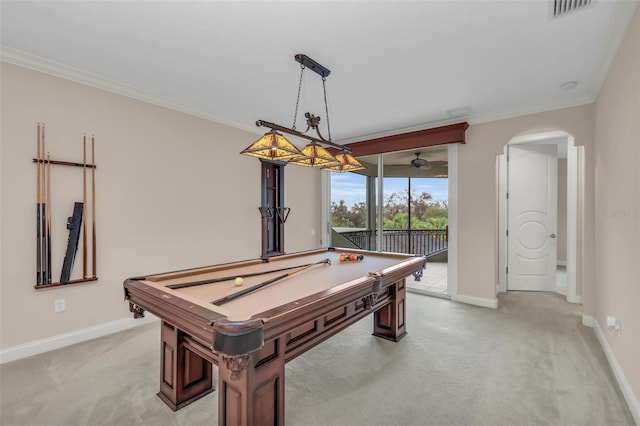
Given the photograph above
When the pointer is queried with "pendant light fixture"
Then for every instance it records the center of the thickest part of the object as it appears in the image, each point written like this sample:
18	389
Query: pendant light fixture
347	163
315	156
274	146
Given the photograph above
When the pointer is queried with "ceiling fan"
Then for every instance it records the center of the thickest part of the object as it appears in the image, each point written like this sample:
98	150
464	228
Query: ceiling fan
423	164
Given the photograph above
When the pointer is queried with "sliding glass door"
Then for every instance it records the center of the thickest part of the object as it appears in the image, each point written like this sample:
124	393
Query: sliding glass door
410	216
415	215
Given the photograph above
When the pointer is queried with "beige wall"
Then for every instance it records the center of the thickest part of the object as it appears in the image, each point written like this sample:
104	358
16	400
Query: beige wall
477	209
172	192
617	204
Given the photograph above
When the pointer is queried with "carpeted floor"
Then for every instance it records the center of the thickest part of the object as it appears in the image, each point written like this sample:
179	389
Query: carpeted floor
530	362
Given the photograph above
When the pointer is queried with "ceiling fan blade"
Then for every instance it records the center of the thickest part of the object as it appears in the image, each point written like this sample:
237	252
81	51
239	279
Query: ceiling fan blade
419	162
438	163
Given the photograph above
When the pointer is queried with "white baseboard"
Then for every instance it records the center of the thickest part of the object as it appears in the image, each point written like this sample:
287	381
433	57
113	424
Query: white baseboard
561	289
575	299
478	301
62	340
428	293
587	320
627	391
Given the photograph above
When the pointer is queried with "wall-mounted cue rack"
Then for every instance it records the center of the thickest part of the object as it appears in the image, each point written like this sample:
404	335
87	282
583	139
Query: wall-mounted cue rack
77	223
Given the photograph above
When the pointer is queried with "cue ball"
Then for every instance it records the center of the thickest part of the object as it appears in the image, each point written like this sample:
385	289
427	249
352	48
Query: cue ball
239	281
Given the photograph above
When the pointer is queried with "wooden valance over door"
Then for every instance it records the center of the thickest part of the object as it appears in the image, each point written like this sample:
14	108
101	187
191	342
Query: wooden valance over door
453	133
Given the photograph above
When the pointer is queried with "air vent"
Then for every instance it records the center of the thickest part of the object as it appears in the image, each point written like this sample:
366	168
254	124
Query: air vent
563	7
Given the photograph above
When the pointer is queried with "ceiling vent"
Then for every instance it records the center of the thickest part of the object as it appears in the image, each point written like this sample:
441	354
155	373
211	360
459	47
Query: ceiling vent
564	7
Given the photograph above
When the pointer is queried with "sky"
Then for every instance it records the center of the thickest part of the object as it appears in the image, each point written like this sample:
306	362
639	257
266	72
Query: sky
350	187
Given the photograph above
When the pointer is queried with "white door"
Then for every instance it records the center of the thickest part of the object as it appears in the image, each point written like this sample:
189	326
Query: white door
532	204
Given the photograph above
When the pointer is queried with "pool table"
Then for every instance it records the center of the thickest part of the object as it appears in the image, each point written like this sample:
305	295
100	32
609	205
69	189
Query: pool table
312	295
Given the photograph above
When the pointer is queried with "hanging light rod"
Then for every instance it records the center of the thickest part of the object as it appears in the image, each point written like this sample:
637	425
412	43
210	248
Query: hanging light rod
292	132
306	61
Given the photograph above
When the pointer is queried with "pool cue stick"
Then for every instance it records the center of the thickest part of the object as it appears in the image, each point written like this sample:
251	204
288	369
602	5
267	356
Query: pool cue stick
45	213
229	278
38	218
251	289
93	204
49	218
43	186
84	203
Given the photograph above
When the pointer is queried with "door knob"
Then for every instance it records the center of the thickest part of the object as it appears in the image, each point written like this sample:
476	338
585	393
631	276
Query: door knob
552	235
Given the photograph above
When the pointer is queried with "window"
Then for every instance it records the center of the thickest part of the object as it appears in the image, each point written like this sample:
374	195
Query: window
348	200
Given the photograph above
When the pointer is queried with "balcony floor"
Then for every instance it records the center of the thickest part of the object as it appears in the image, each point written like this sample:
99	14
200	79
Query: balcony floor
433	281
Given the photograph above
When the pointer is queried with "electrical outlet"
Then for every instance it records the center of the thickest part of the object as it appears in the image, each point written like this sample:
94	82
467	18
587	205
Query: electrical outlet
613	324
59	305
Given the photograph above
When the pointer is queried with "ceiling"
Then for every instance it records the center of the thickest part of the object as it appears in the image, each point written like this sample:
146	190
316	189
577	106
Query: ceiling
395	66
403	158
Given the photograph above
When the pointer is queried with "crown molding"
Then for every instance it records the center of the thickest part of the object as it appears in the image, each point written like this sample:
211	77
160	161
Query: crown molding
552	106
479	118
56	69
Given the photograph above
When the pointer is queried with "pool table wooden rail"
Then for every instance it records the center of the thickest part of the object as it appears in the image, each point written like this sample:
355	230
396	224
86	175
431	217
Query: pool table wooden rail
251	384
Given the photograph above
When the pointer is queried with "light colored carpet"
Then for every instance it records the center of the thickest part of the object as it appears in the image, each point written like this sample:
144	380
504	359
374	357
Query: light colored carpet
530	362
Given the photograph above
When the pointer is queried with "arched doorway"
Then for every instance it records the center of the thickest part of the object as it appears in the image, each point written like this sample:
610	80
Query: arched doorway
565	233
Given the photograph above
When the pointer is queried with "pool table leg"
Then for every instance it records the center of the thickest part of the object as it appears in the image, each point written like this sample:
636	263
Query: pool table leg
184	375
389	321
252	387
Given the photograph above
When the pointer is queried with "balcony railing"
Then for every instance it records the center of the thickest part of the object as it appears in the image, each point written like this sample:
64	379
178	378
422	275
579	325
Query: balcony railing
414	241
